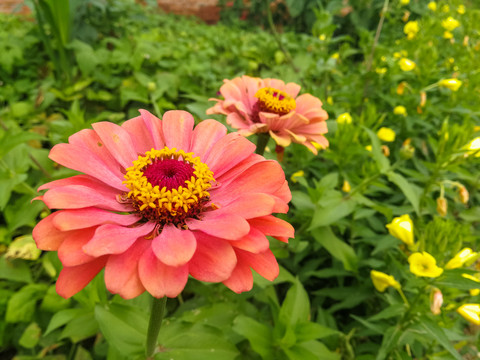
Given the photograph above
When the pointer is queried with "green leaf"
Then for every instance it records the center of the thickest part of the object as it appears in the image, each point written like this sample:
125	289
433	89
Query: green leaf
23	247
124	327
390	340
61	318
80	328
296	306
9	141
295	7
435	332
14	270
311	350
408	190
306	331
394	310
30	336
53	302
330	211
21	306
259	335
381	160
197	342
336	247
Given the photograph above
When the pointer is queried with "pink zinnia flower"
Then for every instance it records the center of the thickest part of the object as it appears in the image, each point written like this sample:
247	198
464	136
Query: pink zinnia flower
158	201
255	105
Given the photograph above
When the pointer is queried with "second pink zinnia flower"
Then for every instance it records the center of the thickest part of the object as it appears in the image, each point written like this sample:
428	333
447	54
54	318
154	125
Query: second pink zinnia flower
255	105
158	201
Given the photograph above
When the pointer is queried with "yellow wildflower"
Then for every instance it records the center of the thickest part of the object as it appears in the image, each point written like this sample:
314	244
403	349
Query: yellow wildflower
424	264
404	2
406	64
381	70
450	24
432	5
447	35
346	186
344	118
322	37
296	175
386	134
411	29
473	292
402	228
329	100
445	8
368	148
335	56
474	147
397	55
452	84
382	281
400	110
464	256
461	9
470	312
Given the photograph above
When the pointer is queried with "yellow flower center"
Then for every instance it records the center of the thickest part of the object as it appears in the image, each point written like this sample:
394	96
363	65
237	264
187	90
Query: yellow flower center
168	186
276	101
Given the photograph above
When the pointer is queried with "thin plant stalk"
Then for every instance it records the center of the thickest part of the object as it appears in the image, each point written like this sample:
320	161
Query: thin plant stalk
154	325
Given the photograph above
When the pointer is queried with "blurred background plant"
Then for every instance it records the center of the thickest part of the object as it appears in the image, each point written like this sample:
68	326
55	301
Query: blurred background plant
400	82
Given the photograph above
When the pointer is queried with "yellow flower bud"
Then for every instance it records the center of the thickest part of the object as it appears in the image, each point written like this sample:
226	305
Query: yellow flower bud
381	70
461	9
424	264
329	100
402	228
406	64
386	134
450	24
463	194
473	147
400	110
423	98
385	150
470	312
296	175
473	292
401	88
452	84
344	118
368	148
442	206
346	186
466	255
382	281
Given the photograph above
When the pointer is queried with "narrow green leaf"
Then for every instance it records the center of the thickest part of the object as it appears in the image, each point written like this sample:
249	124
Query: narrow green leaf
408	190
435	332
259	335
306	331
336	247
80	328
61	318
329	212
296	306
390	339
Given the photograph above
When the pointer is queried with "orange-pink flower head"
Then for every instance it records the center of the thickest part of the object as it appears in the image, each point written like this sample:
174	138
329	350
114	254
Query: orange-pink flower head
255	105
160	200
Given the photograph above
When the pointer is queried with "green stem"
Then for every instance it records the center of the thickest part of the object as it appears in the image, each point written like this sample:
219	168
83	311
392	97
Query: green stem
403	297
262	141
154	325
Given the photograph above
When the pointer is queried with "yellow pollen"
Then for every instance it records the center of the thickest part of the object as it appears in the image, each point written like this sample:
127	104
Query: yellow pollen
161	204
275	101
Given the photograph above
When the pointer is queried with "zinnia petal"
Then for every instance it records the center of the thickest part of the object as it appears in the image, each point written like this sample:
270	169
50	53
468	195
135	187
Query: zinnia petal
224	225
177	129
84	218
241	279
71	251
174	247
47	236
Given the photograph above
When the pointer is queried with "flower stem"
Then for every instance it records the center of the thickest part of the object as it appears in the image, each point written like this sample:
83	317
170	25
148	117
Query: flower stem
154	325
403	297
262	141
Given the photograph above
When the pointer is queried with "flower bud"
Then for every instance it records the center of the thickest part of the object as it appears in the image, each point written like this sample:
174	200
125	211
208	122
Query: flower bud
442	206
402	228
346	186
463	194
436	301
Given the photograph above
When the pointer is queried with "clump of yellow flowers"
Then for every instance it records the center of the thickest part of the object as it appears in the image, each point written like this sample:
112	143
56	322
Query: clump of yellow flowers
407	64
386	134
452	84
400	110
411	29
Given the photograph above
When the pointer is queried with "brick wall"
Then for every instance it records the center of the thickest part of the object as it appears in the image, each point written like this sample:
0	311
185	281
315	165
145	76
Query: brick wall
207	10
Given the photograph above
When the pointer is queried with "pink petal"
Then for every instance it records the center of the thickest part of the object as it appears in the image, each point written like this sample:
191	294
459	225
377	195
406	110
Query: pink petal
71	251
84	180
241	279
262	177
223	225
121	271
140	135
310	107
115	239
154	126
250	205
118	141
177	129
264	263
46	235
238	121
174	247
83	218
78	196
81	159
73	279
238	169
255	241
228	152
214	259
205	135
159	279
282	140
272	226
